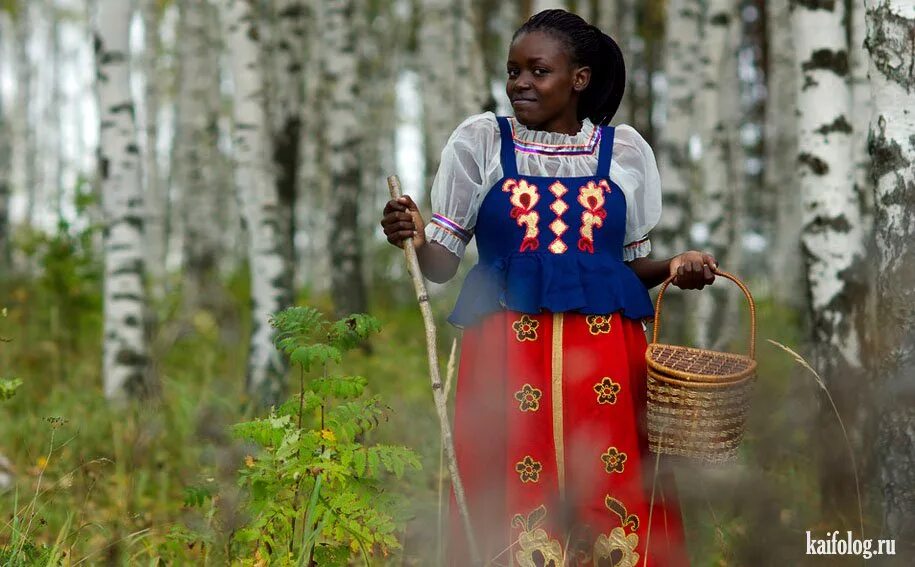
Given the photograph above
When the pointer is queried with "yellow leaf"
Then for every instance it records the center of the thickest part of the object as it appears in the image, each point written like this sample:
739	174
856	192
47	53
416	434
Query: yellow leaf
328	435
249	461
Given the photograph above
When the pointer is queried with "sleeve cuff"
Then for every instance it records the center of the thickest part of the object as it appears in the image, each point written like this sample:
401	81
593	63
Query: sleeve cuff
637	249
448	233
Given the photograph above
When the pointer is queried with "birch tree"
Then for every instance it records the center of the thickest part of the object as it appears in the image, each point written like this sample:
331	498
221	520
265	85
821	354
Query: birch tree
680	69
344	142
125	359
291	30
156	206
197	152
541	5
6	158
24	143
618	20
720	166
454	83
781	154
310	209
832	237
256	185
892	148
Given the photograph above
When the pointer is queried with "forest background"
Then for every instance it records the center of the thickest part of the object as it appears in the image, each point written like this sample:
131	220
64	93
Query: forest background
174	172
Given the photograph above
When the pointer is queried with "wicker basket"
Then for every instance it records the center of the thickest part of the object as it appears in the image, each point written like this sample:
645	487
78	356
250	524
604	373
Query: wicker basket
698	399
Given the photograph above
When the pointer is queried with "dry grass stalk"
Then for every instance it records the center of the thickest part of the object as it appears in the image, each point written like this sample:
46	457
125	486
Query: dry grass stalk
438	394
851	454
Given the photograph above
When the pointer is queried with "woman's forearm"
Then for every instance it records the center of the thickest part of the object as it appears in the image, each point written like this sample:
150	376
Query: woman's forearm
651	272
437	263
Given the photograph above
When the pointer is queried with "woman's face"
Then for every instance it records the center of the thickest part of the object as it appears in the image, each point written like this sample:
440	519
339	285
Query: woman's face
543	84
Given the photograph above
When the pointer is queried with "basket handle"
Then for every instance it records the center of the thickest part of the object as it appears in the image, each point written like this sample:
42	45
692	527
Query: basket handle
733	278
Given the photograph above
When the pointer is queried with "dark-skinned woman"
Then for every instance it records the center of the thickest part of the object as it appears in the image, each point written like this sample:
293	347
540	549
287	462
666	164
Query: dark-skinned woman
550	401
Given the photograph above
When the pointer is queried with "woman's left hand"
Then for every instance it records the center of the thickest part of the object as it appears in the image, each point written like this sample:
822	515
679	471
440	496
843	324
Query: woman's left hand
693	270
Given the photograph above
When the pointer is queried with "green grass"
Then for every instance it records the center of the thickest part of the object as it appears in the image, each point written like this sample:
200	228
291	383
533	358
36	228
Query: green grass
101	485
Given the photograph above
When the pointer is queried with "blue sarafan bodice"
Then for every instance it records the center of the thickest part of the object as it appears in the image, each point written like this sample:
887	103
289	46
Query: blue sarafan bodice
551	244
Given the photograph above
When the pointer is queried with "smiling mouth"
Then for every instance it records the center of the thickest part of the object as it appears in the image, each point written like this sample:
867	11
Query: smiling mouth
523	101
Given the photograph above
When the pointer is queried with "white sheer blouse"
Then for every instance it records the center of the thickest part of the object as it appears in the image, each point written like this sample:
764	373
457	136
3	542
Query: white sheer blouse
470	166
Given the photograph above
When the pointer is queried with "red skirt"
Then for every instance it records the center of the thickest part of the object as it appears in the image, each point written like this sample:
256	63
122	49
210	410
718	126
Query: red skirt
551	446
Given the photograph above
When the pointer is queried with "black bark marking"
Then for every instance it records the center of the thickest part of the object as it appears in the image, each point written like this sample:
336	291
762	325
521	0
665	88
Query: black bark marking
892	57
131	321
840	124
129	357
828	60
828	5
721	19
886	155
818	166
835	224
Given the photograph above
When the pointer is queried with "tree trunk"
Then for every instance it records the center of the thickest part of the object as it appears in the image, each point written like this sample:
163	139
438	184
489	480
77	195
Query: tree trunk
676	168
454	84
156	206
721	172
618	20
125	358
311	209
781	154
198	153
6	160
290	18
540	5
345	115
24	134
832	237
256	184
892	148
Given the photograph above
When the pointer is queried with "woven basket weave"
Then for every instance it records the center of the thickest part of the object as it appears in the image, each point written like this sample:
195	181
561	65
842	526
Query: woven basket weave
698	399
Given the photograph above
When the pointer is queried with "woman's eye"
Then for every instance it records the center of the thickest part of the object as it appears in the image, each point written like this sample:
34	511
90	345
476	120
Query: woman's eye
512	73
540	72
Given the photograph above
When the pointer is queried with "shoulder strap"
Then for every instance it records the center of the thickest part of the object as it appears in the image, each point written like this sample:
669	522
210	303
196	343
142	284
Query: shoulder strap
509	165
605	152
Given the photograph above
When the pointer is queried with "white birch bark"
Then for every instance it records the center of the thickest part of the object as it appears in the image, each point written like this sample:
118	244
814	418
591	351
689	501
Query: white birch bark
6	160
541	5
863	106
454	84
721	172
892	58
345	114
256	185
617	19
24	133
681	71
156	208
197	155
831	234
315	183
125	358
781	154
832	237
291	30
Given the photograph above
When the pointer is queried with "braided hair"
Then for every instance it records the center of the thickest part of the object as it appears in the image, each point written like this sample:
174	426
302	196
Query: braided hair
588	46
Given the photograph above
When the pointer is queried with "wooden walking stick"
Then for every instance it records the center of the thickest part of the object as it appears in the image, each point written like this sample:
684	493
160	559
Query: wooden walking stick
438	393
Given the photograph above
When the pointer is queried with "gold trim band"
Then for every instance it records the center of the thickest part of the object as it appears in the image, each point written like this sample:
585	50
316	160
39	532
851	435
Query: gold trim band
556	380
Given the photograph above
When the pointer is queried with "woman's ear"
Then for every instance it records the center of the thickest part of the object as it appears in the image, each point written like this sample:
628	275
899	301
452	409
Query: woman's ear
581	78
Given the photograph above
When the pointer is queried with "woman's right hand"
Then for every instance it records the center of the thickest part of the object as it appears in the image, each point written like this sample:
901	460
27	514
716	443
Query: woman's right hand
401	220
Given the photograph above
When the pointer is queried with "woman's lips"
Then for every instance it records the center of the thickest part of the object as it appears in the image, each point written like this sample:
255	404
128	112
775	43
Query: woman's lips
523	102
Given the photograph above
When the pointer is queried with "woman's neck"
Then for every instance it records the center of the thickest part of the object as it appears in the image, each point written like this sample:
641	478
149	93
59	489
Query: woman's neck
567	127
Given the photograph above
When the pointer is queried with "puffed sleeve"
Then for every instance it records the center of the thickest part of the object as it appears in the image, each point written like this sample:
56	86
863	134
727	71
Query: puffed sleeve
460	183
635	170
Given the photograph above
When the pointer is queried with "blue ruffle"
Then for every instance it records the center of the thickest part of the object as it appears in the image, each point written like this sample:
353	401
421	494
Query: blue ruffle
532	282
